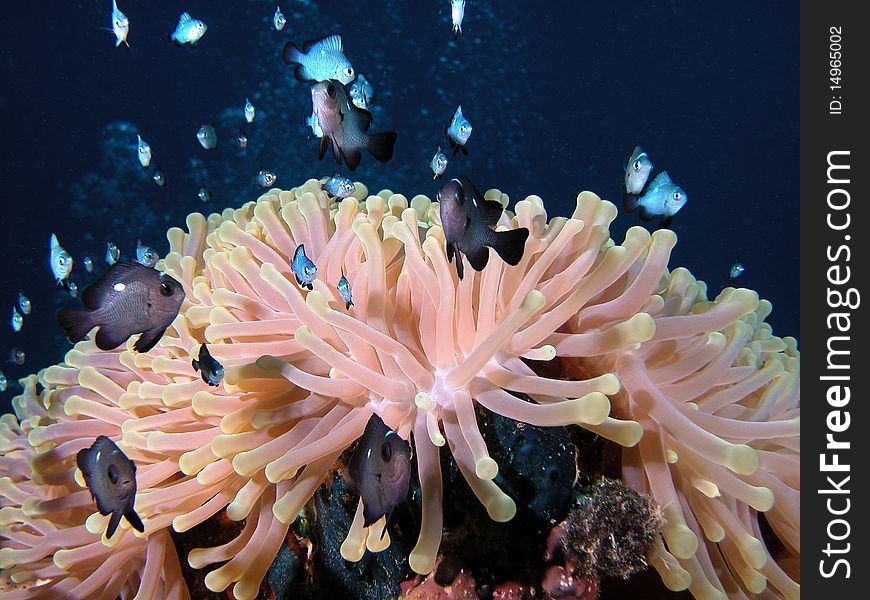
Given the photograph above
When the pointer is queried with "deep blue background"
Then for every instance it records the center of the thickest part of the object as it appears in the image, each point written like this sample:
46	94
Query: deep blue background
558	92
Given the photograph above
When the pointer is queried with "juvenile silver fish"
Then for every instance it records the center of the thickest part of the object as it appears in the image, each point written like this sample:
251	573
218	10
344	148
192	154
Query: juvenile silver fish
278	21
457	13
17	356
145	254
361	92
438	164
204	194
89	265
4	383
735	271
339	186
207	137
112	253
24	303
143	151
17	320
314	124
662	198
188	30
61	262
250	111
266	178
159	177
458	131
319	60
120	25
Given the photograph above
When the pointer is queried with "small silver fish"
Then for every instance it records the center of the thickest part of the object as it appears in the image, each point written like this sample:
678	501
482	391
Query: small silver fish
159	177
662	198
145	254
24	303
637	171
314	124
120	25
143	150
458	132
4	383
17	320
250	111
319	60
207	137
303	268
204	194
278	21
457	13
736	269
266	178
17	356
361	92
338	186
188	30
438	164
73	289
112	253
209	368
344	291
89	265
111	478
61	262
242	139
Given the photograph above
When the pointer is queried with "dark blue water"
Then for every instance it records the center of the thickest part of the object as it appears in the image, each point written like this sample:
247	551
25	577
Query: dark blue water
558	92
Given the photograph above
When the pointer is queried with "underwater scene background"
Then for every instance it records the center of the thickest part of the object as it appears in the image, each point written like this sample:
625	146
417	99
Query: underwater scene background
558	92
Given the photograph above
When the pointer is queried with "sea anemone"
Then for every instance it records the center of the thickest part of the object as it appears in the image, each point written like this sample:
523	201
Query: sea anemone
702	395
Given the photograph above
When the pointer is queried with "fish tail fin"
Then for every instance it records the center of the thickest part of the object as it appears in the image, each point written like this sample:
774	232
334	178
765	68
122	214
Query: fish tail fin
511	244
75	323
195	364
380	145
629	202
135	521
291	54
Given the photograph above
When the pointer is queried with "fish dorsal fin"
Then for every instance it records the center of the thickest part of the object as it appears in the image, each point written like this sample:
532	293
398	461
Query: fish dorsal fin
54	242
490	212
96	294
661	179
360	118
330	42
184	18
636	152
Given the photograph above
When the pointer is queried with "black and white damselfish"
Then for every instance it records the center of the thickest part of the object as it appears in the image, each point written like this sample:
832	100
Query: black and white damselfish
111	478
380	470
129	298
468	220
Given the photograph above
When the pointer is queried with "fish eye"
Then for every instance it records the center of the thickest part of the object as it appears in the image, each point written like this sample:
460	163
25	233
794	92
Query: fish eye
348	71
677	195
118	23
386	452
166	288
113	473
637	165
